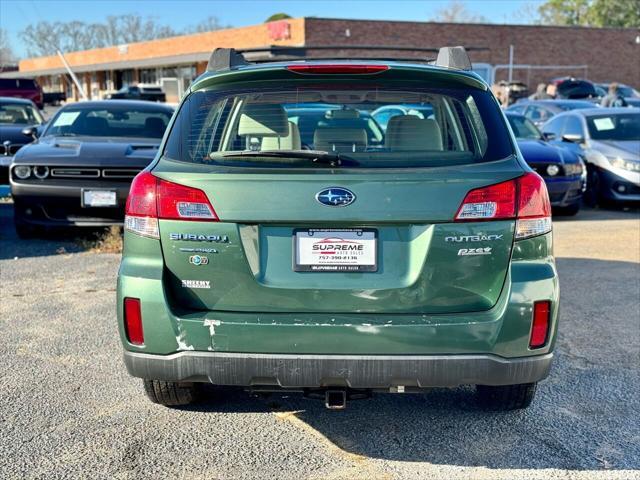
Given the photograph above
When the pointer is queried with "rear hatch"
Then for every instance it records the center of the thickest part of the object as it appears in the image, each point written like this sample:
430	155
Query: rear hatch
365	224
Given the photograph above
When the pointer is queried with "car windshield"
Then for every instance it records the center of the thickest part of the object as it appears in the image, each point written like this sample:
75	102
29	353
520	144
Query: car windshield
576	105
19	114
626	91
455	126
523	128
110	121
616	127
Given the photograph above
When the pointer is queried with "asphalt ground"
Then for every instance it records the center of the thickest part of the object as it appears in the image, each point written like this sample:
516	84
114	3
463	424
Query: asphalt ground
68	409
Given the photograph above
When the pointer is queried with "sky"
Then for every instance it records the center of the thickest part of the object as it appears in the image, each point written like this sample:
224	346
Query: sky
15	15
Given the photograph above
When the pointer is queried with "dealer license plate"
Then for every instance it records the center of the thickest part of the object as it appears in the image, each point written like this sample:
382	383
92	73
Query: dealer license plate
335	250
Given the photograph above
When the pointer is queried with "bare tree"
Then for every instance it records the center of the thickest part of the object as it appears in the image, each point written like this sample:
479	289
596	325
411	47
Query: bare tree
7	56
209	24
457	12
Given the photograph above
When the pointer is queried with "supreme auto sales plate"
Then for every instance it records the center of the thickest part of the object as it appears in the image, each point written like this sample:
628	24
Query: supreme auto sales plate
335	250
98	198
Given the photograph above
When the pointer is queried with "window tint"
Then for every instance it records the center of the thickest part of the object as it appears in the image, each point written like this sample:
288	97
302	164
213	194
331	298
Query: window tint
8	83
27	84
523	127
112	121
619	127
436	127
573	126
555	126
17	114
538	114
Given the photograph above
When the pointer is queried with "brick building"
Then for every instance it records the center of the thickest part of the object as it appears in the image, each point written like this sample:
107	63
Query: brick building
540	53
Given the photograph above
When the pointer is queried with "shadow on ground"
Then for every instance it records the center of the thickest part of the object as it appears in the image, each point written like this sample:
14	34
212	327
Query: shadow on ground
584	416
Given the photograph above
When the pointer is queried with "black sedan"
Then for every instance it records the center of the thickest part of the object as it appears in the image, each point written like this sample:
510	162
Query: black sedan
78	172
15	115
562	170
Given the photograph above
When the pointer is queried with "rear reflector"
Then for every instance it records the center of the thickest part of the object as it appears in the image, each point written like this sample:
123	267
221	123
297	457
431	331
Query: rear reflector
331	69
524	198
133	321
152	198
540	326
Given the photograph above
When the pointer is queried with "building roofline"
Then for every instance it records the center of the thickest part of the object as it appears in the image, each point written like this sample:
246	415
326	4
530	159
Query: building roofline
489	24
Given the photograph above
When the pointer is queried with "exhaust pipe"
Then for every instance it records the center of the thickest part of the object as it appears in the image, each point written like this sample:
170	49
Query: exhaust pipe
335	399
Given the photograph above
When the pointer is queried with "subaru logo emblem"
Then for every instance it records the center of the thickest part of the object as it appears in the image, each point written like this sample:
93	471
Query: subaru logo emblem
335	197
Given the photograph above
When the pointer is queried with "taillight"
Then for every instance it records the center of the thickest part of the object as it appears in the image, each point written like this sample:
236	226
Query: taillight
540	324
524	198
133	321
534	207
330	69
152	198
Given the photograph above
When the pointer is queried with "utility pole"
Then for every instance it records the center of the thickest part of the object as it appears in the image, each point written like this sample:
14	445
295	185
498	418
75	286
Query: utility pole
72	75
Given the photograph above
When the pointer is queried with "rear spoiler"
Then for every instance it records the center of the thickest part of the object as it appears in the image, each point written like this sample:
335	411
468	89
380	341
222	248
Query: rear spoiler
223	59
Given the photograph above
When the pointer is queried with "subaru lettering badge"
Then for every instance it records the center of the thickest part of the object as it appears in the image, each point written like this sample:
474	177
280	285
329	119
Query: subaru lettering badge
335	197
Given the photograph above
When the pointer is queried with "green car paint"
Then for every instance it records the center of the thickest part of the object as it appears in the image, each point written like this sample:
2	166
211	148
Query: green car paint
441	287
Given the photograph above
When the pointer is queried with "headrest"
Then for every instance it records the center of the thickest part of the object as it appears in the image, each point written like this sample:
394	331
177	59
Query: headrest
96	125
154	124
290	142
263	120
343	139
343	114
409	132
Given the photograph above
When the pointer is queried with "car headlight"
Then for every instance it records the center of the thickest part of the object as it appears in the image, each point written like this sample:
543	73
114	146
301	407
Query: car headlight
41	171
22	171
553	170
573	169
630	165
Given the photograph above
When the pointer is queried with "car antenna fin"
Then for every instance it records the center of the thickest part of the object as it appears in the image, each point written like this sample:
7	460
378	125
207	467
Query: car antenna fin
225	59
453	57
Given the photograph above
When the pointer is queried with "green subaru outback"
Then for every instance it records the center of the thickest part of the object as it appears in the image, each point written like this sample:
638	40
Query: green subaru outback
282	240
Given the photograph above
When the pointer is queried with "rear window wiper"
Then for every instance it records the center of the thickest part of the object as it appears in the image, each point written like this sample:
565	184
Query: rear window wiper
319	157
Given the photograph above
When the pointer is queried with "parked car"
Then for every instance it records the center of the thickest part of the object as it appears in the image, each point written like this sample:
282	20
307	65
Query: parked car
22	88
345	267
540	111
15	115
563	171
631	95
54	98
78	172
152	93
574	89
609	142
383	114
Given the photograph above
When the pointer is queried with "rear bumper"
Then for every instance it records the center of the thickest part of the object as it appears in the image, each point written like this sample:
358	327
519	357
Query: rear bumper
353	371
49	205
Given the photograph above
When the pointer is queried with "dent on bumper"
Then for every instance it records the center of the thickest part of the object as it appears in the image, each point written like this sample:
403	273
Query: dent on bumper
361	371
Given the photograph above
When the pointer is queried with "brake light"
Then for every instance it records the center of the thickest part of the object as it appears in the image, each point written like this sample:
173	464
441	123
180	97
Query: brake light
133	321
540	324
330	69
524	198
151	198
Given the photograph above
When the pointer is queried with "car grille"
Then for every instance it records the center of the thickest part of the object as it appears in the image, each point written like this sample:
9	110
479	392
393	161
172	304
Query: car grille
13	148
75	172
110	173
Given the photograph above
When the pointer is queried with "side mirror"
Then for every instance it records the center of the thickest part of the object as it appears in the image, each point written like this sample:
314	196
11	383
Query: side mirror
573	138
30	132
548	136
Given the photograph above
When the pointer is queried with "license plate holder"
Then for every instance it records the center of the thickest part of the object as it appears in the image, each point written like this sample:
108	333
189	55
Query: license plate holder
98	198
342	250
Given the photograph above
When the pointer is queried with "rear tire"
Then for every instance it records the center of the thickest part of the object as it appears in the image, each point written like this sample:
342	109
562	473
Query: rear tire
506	397
170	394
593	196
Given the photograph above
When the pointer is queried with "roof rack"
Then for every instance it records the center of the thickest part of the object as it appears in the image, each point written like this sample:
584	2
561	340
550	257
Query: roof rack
227	58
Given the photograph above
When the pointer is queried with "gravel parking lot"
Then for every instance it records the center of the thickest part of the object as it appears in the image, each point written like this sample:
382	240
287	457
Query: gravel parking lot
70	410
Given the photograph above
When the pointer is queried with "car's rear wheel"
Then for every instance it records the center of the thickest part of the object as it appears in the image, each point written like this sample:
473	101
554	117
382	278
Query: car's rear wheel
506	397
170	394
593	196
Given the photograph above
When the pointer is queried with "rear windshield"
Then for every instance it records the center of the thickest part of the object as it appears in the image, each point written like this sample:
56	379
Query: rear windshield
110	121
617	127
372	127
19	114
